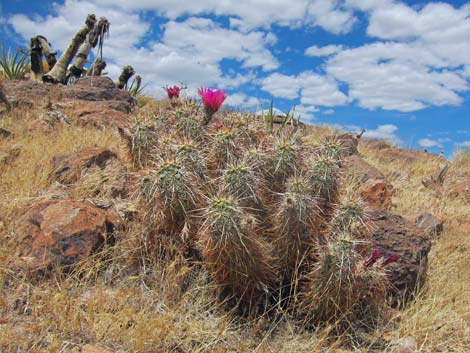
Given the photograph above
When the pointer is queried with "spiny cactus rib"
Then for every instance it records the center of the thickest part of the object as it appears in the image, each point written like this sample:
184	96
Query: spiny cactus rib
238	259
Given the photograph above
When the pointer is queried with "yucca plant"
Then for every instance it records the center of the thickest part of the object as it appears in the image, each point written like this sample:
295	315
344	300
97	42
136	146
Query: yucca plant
236	255
14	65
135	88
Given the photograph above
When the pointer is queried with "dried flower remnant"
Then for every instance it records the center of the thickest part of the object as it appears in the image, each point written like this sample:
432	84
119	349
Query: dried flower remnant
390	259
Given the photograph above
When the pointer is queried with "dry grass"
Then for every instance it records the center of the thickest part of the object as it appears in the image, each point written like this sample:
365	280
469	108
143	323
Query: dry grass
439	319
147	311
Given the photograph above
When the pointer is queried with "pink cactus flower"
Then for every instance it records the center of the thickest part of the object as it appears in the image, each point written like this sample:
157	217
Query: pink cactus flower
390	259
173	92
212	100
372	259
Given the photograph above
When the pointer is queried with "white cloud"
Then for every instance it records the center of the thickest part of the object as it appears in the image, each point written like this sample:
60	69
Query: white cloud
323	51
462	145
385	132
305	112
328	112
247	15
311	88
242	101
396	76
427	143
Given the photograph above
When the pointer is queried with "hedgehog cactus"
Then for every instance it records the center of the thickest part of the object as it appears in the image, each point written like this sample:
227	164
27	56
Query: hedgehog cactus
236	255
341	288
285	161
350	216
296	224
225	148
188	154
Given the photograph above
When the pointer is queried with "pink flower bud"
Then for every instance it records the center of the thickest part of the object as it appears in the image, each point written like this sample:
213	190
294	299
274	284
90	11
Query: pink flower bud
173	92
372	259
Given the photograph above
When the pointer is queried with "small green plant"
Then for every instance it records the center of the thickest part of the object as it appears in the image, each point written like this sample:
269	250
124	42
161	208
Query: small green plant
268	119
135	88
13	65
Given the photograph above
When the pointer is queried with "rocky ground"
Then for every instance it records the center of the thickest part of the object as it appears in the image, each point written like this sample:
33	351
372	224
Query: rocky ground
68	184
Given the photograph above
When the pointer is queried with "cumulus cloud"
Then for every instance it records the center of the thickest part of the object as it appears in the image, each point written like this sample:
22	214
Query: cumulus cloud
311	88
427	143
323	51
387	132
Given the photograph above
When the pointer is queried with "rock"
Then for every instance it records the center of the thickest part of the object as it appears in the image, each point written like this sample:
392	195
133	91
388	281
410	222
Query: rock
458	186
358	168
94	90
407	345
98	89
62	233
376	194
430	224
102	117
68	168
349	142
393	235
4	134
399	154
376	144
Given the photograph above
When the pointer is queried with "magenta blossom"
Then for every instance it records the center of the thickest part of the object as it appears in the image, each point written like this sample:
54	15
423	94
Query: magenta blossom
212	100
372	259
173	92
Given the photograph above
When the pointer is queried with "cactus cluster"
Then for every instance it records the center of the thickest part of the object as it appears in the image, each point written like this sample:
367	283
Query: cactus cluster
265	212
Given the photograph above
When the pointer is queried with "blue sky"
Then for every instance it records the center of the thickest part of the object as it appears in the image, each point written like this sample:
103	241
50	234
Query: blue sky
400	69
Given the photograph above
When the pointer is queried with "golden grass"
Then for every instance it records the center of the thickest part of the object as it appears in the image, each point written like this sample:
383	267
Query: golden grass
147	312
27	175
439	318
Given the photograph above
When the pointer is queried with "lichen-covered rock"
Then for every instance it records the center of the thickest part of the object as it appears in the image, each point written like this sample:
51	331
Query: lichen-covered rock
68	168
62	233
393	235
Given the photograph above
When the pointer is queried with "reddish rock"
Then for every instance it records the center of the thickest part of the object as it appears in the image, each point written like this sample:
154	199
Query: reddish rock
399	154
62	233
98	89
102	117
376	194
358	168
93	90
393	235
68	168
